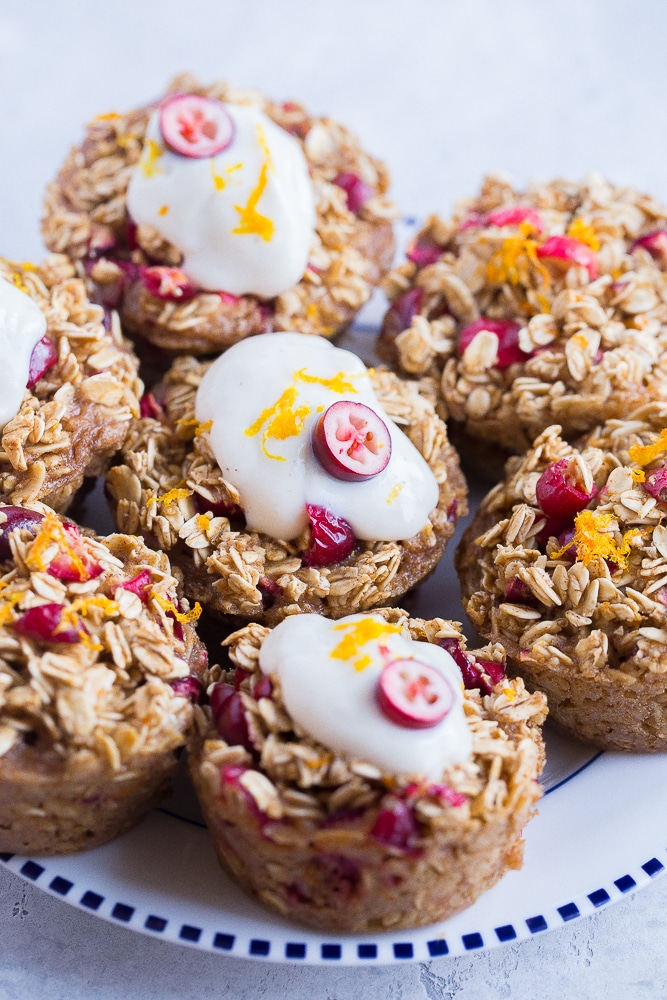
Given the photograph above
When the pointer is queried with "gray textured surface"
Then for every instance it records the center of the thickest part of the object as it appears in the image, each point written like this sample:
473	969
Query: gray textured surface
443	91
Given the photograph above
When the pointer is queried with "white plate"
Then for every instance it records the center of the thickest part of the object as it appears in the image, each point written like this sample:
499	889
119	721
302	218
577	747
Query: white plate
601	833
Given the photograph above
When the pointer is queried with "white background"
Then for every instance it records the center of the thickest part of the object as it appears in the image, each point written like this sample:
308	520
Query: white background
443	91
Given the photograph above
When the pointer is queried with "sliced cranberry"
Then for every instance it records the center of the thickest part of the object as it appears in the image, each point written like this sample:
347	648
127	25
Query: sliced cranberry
514	216
342	874
229	299
452	510
656	484
188	687
447	794
554	527
559	493
423	251
564	251
196	126
472	221
150	408
495	671
168	283
219	508
110	293
131	234
17	519
229	715
565	538
139	585
44	356
331	538
269	590
395	825
102	242
263	688
517	592
507	332
655	243
78	564
357	191
351	441
400	314
42	624
414	695
472	673
240	675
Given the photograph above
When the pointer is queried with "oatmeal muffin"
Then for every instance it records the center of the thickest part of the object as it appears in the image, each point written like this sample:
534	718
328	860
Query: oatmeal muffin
277	480
99	666
214	214
537	307
349	781
68	383
565	563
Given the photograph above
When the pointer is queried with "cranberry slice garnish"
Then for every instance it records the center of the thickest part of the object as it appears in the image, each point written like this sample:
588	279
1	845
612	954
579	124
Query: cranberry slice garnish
331	540
564	251
514	216
150	408
395	825
414	695
351	441
559	494
481	674
168	283
656	483
655	243
423	251
196	126
17	518
77	565
139	585
42	624
263	688
507	332
356	190
229	715
44	356
400	314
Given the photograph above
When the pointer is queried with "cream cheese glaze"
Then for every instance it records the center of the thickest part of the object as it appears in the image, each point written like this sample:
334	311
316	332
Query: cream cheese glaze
328	672
263	397
22	326
243	219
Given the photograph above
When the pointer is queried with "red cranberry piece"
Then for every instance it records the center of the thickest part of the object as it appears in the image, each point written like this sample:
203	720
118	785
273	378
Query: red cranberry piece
263	688
655	243
414	695
168	283
230	717
509	352
400	314
240	676
351	442
196	126
471	672
77	565
131	234
514	216
517	592
566	537
41	623
44	356
495	671
188	687
102	242
564	251
423	251
331	539
219	508
553	527
357	191
395	825
17	518
452	510
558	492
139	585
269	590
472	221
447	794
656	483
229	299
150	408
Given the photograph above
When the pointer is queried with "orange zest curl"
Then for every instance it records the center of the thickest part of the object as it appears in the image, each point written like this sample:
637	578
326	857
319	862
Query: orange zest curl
51	532
516	261
584	233
591	539
183	617
638	476
171	497
644	454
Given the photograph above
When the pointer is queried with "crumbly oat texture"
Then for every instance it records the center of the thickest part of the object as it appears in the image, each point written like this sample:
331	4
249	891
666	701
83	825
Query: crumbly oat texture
583	616
90	721
168	486
76	416
592	336
296	824
86	210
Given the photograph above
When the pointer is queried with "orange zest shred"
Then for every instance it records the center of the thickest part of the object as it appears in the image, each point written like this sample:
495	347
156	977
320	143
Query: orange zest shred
51	532
516	260
638	475
252	222
644	454
591	539
171	497
193	422
183	617
82	605
204	522
8	606
149	159
358	634
583	232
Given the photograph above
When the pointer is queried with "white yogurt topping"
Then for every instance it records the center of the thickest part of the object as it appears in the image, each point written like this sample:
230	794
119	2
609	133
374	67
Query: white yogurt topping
264	406
331	695
244	219
22	325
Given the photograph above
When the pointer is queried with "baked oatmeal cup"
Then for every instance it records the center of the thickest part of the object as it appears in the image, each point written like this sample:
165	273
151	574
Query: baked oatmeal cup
99	666
534	308
214	214
279	479
68	383
565	564
348	780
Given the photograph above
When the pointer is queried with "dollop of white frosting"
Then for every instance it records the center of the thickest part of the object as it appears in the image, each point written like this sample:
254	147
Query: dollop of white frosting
264	397
243	219
331	695
22	325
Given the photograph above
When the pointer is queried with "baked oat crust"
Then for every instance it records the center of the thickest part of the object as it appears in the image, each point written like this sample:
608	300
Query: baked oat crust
595	347
350	252
248	575
589	632
293	822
